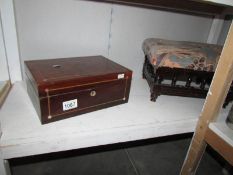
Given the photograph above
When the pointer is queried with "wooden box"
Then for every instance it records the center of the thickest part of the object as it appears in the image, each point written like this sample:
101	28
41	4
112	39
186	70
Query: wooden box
66	87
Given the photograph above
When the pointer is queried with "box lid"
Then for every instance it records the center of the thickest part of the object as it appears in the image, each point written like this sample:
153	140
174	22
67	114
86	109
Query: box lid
77	71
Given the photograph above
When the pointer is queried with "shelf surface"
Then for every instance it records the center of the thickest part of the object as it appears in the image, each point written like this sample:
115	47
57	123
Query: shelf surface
23	134
220	137
210	7
221	2
223	131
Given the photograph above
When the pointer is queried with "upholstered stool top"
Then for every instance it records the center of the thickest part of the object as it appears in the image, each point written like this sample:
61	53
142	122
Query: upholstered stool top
182	54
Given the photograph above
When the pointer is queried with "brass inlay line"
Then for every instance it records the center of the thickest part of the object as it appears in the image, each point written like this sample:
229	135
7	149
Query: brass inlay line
85	84
84	90
78	86
85	108
80	109
60	77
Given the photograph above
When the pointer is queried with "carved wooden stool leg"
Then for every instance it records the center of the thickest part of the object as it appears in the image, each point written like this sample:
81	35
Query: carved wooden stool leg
155	92
143	69
143	74
153	96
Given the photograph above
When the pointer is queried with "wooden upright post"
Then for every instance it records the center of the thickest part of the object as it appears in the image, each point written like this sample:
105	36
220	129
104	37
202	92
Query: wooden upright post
4	166
217	93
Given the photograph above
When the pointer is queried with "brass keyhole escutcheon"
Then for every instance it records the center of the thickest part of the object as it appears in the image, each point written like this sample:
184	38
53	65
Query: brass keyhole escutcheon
93	93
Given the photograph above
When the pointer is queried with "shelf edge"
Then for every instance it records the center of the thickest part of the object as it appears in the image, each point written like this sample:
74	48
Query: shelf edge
219	145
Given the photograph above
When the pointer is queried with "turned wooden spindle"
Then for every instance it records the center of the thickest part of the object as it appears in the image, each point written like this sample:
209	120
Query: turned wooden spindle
189	81
203	83
160	79
174	79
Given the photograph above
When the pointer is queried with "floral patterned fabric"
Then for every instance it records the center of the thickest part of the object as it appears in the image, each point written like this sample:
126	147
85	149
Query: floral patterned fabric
182	54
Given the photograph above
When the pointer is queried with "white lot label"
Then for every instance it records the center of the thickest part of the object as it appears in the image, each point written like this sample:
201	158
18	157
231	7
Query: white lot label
67	105
121	76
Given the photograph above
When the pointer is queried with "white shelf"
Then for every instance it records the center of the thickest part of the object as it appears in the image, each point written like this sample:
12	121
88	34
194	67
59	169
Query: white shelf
223	131
220	137
221	2
140	118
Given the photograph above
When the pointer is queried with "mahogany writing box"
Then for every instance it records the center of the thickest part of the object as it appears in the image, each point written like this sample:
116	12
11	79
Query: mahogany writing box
65	87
